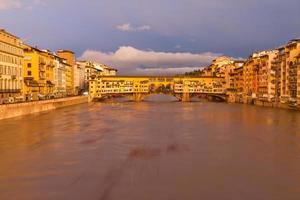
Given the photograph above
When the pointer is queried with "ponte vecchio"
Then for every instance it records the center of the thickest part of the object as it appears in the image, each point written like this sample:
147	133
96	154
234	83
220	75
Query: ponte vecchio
137	88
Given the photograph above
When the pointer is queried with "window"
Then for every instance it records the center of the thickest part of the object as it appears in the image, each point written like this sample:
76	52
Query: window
29	73
29	65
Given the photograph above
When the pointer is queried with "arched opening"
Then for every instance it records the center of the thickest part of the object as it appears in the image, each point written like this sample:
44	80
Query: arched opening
161	88
160	97
207	97
116	98
197	99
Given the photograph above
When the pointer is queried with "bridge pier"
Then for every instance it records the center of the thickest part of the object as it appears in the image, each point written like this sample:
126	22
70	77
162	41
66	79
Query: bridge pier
185	97
138	97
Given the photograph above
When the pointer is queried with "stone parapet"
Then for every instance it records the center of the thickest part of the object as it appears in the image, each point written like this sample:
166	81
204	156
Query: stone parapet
20	109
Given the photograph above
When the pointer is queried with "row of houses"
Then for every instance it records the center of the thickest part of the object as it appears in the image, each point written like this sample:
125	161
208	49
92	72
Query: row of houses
267	76
28	73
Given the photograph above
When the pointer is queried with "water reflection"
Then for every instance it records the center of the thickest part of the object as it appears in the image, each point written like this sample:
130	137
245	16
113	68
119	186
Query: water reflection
151	150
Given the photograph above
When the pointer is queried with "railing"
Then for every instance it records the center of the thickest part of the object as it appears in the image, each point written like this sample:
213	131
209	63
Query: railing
42	63
42	68
10	90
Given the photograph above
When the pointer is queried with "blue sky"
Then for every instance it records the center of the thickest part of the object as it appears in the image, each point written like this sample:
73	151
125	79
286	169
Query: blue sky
173	29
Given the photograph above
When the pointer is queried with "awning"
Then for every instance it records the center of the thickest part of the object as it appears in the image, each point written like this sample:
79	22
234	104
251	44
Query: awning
50	83
31	83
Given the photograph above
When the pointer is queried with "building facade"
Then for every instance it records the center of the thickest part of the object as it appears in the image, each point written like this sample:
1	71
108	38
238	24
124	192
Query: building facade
266	76
79	78
287	71
11	62
292	51
60	77
39	73
91	70
69	56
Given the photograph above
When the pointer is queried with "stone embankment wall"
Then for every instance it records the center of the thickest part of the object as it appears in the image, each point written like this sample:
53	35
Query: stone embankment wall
276	105
235	99
15	110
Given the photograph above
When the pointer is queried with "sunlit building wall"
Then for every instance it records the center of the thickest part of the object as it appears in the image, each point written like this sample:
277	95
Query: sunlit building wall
38	72
11	62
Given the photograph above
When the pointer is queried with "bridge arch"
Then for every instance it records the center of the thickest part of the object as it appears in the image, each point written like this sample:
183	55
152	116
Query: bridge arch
160	97
211	97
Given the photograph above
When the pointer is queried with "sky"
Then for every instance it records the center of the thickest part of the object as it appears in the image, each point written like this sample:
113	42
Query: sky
153	36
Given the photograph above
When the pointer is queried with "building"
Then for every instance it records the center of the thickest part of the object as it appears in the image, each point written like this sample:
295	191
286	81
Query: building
92	70
11	62
104	70
229	73
89	72
292	51
298	78
69	56
39	74
60	77
79	75
266	76
218	67
276	67
109	71
287	70
251	78
238	84
233	76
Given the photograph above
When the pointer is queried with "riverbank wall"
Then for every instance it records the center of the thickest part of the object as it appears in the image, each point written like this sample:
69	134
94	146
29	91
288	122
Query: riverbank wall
20	109
275	105
248	100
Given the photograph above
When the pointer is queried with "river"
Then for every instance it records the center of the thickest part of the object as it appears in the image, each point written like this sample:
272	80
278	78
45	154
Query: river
152	151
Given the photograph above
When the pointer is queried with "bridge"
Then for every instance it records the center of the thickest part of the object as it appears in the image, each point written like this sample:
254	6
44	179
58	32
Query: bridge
138	87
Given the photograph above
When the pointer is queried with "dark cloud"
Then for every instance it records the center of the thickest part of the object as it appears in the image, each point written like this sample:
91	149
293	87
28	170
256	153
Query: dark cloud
231	27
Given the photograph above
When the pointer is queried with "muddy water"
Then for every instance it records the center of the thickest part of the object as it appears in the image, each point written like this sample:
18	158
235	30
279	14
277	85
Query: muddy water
152	150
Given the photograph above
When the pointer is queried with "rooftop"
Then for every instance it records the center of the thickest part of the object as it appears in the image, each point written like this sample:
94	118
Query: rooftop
4	31
65	51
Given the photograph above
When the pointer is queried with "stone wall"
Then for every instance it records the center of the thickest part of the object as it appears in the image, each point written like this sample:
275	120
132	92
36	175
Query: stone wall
15	110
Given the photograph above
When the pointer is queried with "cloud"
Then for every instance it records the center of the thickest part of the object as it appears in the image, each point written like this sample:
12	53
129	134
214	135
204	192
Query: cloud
128	28
15	4
130	60
39	2
35	3
9	4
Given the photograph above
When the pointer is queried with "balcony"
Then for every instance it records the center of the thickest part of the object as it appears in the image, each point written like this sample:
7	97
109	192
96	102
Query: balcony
10	90
42	76
42	68
42	62
51	65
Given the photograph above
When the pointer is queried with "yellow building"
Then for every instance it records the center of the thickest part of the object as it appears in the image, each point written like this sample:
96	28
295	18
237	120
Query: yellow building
69	56
11	59
38	73
69	79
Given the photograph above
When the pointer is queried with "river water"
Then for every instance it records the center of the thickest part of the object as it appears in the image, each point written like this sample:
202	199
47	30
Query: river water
152	151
